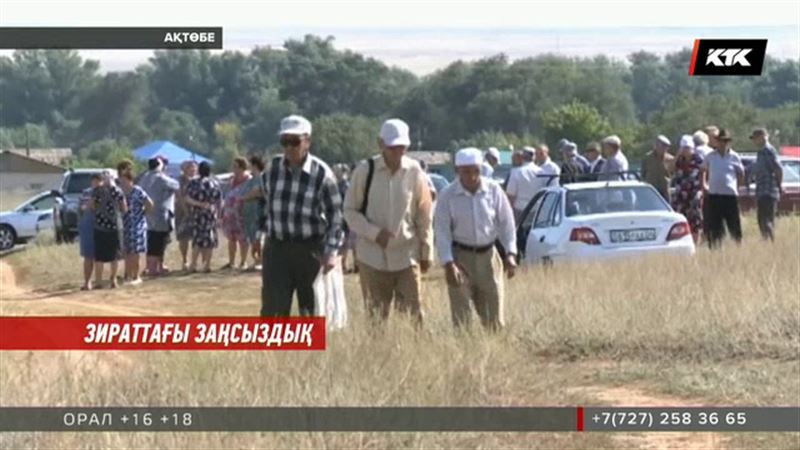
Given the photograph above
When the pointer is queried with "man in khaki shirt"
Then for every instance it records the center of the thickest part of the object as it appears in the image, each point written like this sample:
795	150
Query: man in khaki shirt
658	166
392	220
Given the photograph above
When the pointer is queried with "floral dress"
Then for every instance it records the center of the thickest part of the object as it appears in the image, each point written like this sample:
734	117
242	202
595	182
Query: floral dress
253	209
134	236
688	198
233	224
204	220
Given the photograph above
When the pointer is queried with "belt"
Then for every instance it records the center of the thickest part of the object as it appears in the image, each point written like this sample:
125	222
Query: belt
297	239
472	248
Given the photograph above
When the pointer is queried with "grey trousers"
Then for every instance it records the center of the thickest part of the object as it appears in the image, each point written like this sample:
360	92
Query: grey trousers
765	209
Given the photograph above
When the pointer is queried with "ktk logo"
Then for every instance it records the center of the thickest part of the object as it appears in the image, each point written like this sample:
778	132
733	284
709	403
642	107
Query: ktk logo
728	56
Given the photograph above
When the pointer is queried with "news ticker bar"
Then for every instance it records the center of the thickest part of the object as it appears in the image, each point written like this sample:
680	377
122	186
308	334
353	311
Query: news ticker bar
399	419
143	38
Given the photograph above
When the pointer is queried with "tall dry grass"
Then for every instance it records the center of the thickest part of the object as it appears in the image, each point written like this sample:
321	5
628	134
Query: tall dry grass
643	321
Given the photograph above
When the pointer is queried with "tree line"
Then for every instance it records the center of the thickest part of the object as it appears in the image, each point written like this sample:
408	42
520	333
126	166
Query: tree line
221	105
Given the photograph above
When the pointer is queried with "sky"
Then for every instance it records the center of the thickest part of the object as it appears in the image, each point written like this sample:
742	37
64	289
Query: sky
423	36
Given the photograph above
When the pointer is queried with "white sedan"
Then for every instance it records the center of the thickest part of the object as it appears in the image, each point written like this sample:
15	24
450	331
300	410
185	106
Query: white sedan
601	220
26	220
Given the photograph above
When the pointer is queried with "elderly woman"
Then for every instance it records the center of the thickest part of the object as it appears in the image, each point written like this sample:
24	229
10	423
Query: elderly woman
232	215
253	209
688	184
134	236
203	196
108	202
86	231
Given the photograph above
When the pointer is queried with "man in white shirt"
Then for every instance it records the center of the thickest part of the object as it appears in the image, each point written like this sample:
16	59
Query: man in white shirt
524	182
391	214
542	159
471	214
616	162
491	160
722	173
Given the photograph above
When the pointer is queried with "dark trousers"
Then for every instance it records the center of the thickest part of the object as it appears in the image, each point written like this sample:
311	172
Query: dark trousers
289	267
723	211
766	207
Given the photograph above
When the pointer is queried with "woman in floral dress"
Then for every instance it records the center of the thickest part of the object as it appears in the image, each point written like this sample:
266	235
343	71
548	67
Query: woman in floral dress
253	209
688	182
134	224
203	196
232	214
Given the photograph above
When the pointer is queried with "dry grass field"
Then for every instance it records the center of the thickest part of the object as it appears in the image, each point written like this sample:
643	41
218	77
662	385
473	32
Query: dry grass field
722	328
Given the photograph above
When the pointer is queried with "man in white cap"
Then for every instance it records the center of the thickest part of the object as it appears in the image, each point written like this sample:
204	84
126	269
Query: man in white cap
524	182
471	214
389	207
574	166
616	162
658	166
490	161
304	219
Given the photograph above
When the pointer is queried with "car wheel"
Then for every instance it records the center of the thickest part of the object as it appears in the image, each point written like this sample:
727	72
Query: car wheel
7	237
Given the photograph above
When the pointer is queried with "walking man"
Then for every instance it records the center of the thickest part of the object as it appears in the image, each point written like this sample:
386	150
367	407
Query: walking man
389	207
658	166
722	174
768	173
471	214
524	182
304	219
491	160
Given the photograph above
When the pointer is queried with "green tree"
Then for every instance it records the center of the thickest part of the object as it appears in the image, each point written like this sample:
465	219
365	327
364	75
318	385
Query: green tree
228	136
575	121
341	138
183	129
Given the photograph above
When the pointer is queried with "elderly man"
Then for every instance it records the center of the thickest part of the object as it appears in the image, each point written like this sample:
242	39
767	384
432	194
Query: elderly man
658	166
523	183
491	160
183	220
616	163
161	221
304	219
389	207
768	174
541	157
596	162
471	214
574	166
722	174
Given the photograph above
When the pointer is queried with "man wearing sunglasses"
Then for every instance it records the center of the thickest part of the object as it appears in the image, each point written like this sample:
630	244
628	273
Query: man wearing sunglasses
389	207
304	222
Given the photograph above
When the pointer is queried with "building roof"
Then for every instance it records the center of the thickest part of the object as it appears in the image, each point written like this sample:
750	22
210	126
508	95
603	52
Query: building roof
13	162
55	156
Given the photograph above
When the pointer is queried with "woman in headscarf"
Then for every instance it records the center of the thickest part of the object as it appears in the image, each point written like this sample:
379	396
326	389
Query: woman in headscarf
134	236
108	202
233	224
253	209
688	183
203	196
86	231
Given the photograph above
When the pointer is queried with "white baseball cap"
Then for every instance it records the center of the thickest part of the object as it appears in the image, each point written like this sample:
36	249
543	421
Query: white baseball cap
613	140
297	125
494	152
395	132
663	139
687	141
469	156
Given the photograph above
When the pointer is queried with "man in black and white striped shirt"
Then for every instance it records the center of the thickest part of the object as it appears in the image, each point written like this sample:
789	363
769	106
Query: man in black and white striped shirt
304	222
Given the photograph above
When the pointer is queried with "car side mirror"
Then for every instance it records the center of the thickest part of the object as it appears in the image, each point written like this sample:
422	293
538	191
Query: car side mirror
28	209
57	193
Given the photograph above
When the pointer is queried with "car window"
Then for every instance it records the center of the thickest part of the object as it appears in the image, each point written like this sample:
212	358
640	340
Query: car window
791	171
77	183
545	215
44	203
614	199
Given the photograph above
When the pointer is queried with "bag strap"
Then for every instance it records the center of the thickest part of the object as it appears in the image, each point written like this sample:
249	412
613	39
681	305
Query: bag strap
371	163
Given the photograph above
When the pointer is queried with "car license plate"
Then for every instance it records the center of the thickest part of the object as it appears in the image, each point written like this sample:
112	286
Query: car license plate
637	235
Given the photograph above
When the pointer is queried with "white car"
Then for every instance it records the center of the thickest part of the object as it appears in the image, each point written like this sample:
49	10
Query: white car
26	220
601	220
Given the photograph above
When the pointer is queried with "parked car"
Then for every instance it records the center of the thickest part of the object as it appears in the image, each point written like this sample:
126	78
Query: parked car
790	200
66	211
26	220
600	220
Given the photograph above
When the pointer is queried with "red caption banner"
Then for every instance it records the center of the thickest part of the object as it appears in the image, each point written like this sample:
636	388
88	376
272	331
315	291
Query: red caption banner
161	333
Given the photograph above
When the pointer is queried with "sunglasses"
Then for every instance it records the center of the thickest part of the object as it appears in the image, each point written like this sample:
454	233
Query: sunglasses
291	141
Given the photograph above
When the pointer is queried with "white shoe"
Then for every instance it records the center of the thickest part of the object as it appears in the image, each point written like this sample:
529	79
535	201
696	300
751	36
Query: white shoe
135	282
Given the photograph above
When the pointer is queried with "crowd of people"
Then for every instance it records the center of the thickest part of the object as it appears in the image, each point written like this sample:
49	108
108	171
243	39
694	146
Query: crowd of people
297	217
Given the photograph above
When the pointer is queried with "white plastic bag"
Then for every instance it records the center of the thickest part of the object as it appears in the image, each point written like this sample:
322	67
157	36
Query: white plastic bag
330	299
